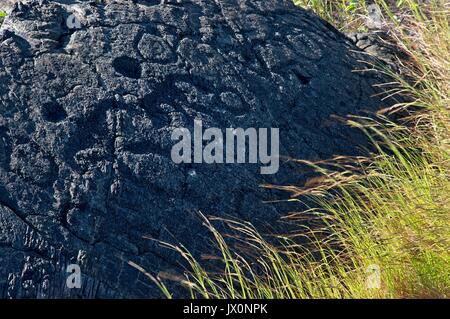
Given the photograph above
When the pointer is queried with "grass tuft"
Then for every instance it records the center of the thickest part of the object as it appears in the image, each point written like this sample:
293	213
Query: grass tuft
2	16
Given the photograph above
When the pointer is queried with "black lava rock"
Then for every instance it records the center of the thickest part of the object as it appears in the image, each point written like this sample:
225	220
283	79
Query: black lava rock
89	96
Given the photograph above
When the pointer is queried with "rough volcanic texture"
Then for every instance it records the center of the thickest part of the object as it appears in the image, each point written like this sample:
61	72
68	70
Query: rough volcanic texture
86	117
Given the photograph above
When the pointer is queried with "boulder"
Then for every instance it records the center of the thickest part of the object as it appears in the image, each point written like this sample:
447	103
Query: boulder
90	93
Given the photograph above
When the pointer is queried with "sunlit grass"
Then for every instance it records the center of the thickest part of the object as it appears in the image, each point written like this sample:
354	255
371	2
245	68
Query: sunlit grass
2	16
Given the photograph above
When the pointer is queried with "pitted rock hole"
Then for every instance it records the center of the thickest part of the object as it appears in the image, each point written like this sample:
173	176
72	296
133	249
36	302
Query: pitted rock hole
53	112
128	67
304	80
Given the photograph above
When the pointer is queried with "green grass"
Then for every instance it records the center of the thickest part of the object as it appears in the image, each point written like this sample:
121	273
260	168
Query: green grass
387	212
344	14
2	16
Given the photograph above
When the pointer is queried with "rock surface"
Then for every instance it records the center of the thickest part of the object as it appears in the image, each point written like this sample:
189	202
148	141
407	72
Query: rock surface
86	115
381	45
